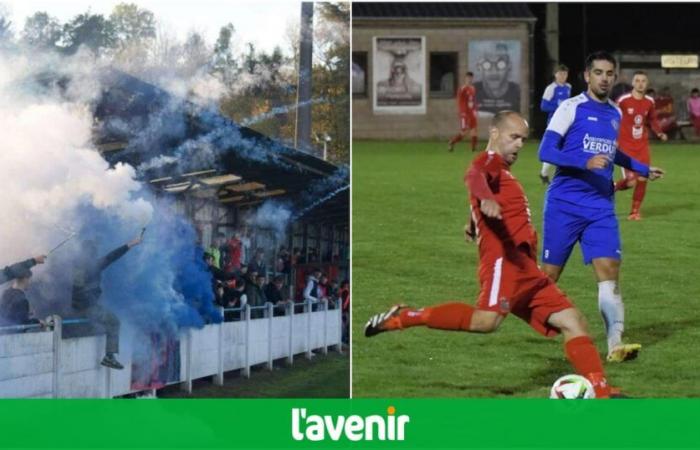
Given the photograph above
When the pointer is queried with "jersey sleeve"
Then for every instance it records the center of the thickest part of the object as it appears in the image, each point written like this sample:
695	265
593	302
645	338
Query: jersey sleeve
624	160
551	152
563	118
477	179
548	103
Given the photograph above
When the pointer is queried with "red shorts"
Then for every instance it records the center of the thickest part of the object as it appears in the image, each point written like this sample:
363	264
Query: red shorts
467	121
523	289
642	155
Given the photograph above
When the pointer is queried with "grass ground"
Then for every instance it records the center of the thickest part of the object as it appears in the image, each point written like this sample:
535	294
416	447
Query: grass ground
325	376
409	207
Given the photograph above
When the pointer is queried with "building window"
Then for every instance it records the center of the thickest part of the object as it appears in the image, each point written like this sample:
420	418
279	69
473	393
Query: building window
443	74
359	74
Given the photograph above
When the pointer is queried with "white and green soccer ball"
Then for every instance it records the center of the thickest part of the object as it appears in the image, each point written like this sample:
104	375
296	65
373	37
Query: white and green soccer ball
572	387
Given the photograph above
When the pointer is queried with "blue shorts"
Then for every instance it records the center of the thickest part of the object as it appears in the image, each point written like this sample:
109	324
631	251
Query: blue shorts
565	224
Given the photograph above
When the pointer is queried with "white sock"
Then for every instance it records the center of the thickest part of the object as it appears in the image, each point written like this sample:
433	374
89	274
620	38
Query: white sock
545	169
613	311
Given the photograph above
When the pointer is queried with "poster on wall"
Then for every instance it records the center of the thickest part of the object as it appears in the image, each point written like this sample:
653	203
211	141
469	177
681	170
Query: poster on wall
497	75
398	74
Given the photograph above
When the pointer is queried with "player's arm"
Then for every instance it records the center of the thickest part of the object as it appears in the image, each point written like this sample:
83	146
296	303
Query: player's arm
476	181
653	121
553	142
626	161
548	104
551	152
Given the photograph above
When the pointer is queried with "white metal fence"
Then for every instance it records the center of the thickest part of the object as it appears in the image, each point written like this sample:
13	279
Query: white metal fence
42	364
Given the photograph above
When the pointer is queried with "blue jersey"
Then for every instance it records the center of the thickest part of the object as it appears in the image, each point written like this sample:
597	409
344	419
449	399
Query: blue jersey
553	96
580	129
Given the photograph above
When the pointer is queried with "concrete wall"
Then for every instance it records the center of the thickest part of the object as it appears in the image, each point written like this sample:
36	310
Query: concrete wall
42	364
441	119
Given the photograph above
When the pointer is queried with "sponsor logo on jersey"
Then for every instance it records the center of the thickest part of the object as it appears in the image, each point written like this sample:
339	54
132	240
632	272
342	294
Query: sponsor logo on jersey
593	144
638	119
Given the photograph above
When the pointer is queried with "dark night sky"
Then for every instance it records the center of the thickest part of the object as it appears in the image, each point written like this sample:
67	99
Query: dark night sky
652	27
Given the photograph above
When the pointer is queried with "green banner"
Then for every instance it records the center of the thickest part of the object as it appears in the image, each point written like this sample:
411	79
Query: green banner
377	423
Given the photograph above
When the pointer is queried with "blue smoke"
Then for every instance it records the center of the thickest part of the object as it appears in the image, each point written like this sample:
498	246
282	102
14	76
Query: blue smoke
161	285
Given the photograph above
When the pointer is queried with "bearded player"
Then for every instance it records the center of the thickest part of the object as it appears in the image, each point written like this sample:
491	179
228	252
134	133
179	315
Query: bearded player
581	140
466	103
510	280
638	114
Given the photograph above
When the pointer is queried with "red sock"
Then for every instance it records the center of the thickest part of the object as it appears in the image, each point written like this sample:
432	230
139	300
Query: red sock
583	355
638	196
455	139
473	143
448	316
621	184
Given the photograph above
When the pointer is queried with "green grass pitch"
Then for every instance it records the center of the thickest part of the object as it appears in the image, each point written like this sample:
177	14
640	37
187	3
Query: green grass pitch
408	210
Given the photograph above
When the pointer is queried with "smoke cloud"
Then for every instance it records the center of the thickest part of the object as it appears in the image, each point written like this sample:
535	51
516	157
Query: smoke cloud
56	182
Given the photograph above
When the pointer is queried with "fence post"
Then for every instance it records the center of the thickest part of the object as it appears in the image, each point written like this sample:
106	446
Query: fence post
290	355
187	384
246	369
269	335
108	378
219	377
57	330
325	327
307	309
339	345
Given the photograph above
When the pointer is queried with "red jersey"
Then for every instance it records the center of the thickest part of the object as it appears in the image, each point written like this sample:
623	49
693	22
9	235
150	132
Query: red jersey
637	115
466	100
489	177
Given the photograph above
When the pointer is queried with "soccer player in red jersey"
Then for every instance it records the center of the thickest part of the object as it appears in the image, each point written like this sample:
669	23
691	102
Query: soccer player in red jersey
466	102
511	281
638	113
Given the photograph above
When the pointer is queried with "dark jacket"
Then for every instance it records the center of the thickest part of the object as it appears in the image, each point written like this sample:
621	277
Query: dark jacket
258	267
256	296
10	272
14	308
87	279
273	294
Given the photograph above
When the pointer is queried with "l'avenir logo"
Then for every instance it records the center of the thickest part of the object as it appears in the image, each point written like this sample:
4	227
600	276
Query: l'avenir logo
313	427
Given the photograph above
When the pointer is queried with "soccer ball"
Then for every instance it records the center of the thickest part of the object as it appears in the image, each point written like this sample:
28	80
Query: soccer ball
571	387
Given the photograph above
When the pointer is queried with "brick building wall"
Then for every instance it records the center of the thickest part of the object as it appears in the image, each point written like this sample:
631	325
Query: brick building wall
440	120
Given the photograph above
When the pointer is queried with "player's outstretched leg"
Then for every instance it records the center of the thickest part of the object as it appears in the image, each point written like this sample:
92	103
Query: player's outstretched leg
447	316
580	350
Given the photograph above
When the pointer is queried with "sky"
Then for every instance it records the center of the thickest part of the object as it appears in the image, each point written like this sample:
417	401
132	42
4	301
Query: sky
262	22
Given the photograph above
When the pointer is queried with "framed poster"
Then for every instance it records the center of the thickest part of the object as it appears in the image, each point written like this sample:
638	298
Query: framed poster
497	77
398	75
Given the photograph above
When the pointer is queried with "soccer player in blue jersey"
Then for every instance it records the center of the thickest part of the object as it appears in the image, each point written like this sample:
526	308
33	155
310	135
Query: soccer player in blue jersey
557	91
581	140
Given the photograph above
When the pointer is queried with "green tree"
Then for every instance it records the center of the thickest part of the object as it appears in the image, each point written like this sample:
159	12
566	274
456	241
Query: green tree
331	78
90	30
132	25
224	63
6	35
41	31
195	54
